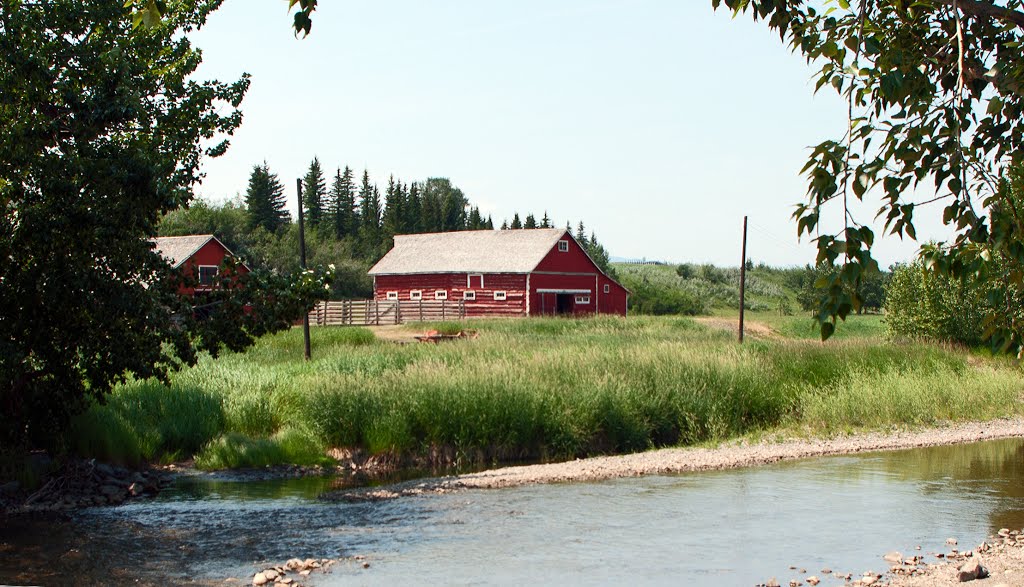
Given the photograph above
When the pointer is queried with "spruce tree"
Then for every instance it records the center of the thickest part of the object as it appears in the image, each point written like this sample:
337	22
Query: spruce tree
504	225
265	199
369	212
581	234
343	198
545	222
490	223
413	210
314	193
531	222
516	223
475	221
394	209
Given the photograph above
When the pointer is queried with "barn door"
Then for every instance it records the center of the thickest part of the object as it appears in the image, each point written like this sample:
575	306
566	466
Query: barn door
475	281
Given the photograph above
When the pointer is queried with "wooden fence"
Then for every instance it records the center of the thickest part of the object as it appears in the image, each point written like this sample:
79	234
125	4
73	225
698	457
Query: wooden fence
377	312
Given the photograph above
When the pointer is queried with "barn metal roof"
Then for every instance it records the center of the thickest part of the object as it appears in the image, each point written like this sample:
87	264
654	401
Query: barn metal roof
469	251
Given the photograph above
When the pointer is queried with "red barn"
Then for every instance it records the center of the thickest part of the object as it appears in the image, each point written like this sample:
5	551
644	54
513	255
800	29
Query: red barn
200	255
519	272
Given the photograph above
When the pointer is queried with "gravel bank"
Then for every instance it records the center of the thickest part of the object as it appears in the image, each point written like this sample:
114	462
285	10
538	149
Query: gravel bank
677	460
729	456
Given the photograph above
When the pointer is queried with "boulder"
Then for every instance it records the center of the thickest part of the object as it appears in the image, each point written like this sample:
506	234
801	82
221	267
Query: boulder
971	570
893	557
813	580
260	579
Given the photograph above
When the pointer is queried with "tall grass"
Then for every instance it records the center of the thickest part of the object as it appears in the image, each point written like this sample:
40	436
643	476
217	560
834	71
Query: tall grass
538	388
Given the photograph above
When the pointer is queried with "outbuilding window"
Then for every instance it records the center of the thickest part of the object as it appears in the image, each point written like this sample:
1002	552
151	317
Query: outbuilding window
607	288
207	274
500	296
415	295
393	296
582	299
441	294
563	246
469	295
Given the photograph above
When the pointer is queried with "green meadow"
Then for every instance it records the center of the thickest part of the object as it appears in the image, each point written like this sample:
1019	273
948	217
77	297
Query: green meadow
544	389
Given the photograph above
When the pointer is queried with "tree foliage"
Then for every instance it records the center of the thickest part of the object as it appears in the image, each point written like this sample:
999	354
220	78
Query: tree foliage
314	194
102	129
935	92
265	200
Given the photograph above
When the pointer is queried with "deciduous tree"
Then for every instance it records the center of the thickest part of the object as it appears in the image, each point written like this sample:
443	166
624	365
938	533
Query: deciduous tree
935	99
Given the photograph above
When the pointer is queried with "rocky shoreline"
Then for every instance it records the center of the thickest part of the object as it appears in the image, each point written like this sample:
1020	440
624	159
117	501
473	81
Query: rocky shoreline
83	483
730	455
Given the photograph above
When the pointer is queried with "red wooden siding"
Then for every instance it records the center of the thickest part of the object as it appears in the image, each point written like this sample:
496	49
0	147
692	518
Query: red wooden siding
514	286
552	288
212	253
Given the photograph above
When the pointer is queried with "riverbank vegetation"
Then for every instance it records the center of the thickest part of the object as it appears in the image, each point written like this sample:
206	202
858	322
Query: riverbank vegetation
534	389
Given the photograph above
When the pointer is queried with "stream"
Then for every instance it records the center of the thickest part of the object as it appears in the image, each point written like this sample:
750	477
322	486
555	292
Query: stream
736	527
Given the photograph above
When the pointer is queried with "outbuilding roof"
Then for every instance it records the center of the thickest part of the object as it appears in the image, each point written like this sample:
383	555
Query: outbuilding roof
469	251
178	249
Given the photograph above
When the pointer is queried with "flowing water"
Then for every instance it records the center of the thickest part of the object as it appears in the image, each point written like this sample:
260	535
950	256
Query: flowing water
736	527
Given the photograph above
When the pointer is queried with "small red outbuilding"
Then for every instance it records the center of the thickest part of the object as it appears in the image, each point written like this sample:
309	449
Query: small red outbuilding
519	272
201	258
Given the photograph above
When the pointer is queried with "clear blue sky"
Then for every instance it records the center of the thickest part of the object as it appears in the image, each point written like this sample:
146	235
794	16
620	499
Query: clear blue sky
660	123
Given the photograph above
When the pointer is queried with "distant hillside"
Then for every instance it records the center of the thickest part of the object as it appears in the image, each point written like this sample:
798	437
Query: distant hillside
699	289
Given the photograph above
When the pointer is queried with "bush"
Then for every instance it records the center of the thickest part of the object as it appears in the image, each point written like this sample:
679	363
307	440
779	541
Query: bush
648	298
921	304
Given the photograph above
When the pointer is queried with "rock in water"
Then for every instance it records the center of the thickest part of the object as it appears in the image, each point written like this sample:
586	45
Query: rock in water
813	580
893	557
260	579
971	570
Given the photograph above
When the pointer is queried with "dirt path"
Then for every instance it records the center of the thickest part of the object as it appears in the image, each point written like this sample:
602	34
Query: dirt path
758	329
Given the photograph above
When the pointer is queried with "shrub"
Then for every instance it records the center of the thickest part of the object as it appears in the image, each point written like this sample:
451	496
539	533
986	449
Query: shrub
921	304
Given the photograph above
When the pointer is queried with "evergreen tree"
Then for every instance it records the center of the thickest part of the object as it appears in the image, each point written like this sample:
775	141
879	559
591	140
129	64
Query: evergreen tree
314	193
394	209
414	210
475	222
343	198
531	222
581	234
545	222
490	223
265	199
516	223
369	212
598	253
504	225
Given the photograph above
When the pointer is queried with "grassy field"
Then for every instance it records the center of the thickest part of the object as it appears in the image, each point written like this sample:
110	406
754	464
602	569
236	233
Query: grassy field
537	389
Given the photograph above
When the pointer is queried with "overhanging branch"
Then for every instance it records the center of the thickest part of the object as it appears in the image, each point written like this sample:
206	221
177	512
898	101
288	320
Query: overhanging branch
979	8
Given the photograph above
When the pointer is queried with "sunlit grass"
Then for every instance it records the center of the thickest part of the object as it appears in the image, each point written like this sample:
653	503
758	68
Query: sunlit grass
537	388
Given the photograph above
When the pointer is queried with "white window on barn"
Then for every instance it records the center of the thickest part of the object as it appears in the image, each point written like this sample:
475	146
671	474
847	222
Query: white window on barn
607	288
469	295
582	299
474	280
563	246
441	294
393	296
500	296
415	295
207	274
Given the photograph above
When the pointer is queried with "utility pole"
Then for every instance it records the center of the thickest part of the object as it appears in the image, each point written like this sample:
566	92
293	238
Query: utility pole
302	264
743	272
